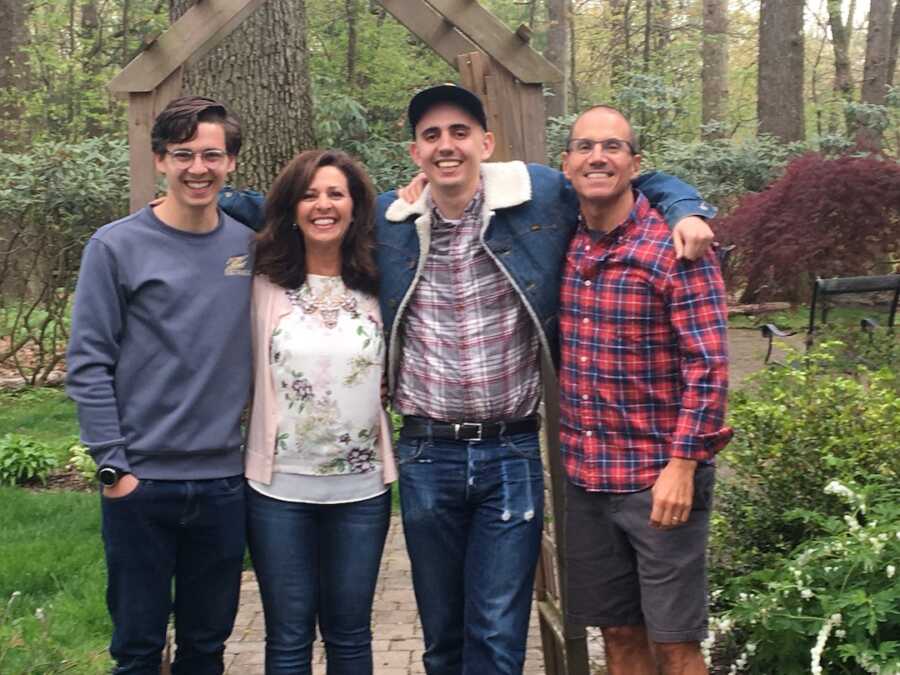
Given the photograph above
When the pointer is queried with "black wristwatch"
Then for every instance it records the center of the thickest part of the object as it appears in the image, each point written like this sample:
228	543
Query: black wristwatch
109	475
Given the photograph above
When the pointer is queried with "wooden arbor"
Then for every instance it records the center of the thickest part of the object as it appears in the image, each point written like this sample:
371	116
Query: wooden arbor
495	63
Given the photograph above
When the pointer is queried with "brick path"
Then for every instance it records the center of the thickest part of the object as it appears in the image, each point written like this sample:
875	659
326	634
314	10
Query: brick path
397	643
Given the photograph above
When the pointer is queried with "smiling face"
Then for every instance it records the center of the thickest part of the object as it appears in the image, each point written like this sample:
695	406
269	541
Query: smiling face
325	210
449	147
196	186
601	177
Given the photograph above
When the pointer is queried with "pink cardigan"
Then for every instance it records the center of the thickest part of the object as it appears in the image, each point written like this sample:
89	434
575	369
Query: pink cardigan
268	306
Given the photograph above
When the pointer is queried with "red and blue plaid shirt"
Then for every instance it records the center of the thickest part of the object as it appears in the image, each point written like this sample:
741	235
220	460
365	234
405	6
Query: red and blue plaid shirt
644	363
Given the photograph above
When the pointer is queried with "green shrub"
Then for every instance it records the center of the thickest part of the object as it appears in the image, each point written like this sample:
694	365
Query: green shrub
82	462
724	169
22	459
822	418
833	605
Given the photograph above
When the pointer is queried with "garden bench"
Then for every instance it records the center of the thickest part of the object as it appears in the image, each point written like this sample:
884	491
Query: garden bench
824	289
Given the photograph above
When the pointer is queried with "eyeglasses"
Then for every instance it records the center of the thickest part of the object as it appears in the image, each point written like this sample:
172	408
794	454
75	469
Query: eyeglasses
610	146
184	159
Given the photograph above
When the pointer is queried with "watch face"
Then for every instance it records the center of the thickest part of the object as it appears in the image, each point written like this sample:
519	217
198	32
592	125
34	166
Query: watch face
108	476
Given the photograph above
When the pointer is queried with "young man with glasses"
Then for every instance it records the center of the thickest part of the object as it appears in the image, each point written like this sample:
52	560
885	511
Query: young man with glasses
159	365
469	297
643	386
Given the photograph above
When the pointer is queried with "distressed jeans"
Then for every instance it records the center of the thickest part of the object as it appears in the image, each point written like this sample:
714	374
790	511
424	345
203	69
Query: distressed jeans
472	518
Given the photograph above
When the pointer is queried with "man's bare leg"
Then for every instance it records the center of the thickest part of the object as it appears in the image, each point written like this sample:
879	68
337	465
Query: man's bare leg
628	651
680	658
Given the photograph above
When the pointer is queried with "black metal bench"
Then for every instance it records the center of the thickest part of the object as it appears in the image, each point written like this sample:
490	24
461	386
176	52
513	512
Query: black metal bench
825	288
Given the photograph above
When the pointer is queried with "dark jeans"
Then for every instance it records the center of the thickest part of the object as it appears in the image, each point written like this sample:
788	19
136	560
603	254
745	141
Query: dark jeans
317	561
193	531
472	517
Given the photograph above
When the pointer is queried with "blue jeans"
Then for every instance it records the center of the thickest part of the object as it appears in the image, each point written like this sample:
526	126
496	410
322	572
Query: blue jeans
193	531
472	517
317	561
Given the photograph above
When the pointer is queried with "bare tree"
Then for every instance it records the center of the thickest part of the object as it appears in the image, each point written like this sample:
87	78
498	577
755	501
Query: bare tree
557	52
13	70
875	70
779	104
351	8
714	73
895	45
840	42
261	72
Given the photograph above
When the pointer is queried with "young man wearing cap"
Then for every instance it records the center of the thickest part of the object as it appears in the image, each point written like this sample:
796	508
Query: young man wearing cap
159	365
643	388
469	297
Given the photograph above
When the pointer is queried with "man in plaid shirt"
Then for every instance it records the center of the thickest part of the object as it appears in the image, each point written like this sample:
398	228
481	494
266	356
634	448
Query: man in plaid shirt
643	384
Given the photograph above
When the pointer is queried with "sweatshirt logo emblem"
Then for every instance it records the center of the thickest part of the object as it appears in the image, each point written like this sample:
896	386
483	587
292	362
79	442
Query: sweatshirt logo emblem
236	266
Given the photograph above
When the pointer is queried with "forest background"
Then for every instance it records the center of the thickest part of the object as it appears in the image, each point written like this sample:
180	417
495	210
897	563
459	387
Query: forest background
319	72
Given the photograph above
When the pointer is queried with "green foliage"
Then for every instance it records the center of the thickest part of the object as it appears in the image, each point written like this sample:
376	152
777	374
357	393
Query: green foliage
45	414
341	122
82	462
833	604
823	417
66	186
557	133
51	200
72	54
653	104
24	460
724	169
51	557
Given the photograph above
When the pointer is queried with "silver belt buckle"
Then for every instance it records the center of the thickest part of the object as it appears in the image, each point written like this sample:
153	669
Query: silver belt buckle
457	427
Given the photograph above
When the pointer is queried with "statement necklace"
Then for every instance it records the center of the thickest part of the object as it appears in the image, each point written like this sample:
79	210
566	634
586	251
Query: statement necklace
328	299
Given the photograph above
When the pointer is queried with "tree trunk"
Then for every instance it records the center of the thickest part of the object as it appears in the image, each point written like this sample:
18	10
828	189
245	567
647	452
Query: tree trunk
779	105
895	45
714	73
13	67
352	10
557	53
875	70
840	42
620	56
261	73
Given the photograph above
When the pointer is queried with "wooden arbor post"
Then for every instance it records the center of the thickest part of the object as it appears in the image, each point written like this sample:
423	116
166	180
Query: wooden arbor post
502	69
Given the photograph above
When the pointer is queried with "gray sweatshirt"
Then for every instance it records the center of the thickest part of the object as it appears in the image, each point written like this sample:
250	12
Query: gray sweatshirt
159	357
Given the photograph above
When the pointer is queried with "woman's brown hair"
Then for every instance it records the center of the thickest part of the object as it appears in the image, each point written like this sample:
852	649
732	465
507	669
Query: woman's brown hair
280	249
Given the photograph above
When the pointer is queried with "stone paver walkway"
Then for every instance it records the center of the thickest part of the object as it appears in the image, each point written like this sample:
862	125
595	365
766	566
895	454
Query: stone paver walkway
397	643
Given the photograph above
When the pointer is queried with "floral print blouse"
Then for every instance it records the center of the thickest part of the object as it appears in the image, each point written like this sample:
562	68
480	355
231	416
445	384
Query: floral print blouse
327	365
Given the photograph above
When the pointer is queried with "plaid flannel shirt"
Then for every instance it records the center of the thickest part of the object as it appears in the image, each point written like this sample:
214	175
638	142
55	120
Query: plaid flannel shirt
643	372
470	351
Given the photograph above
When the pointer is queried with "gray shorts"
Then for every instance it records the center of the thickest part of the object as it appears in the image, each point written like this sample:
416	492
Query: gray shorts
620	571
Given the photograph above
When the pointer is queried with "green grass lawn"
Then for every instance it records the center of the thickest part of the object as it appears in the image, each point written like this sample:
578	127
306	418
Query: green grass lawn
51	554
45	414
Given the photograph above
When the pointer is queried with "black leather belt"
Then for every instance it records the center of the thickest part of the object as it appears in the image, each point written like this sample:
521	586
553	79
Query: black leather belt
423	427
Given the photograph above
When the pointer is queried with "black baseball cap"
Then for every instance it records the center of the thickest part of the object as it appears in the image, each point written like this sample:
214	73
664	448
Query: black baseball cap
422	102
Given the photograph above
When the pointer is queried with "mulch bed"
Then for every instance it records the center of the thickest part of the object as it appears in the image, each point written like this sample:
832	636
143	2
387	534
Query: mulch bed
62	479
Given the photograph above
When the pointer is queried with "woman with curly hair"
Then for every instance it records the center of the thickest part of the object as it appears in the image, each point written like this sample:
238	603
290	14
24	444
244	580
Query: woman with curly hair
318	460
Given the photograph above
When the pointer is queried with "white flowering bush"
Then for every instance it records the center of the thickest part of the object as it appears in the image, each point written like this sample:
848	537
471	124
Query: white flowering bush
826	417
831	606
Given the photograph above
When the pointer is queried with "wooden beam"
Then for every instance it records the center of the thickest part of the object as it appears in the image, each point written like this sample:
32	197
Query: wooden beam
429	26
492	36
198	31
143	108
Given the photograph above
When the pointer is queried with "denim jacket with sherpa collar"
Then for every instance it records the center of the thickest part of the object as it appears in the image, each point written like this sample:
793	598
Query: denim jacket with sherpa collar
529	215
